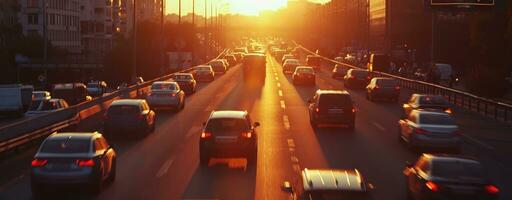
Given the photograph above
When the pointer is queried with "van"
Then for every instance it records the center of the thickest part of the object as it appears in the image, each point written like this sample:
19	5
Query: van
73	93
15	99
378	62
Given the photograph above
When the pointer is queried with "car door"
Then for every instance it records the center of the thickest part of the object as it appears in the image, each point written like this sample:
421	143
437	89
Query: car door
102	158
408	126
109	155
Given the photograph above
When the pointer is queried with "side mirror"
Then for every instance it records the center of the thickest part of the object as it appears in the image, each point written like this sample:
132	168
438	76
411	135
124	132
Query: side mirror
256	124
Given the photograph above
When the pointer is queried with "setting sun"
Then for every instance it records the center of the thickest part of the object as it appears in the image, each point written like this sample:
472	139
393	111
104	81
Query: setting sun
244	7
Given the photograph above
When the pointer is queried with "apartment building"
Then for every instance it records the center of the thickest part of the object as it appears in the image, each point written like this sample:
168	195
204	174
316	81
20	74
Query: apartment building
96	28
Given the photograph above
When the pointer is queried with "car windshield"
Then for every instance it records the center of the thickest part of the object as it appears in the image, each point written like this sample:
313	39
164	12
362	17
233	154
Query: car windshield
163	86
203	69
359	73
182	77
457	169
435	119
334	100
123	110
305	70
227	125
66	145
39	95
386	82
35	105
435	100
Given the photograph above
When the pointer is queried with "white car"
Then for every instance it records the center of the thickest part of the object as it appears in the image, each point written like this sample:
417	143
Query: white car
41	95
46	106
166	94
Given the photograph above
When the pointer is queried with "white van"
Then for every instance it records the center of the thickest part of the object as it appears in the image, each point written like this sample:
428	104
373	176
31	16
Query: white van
15	99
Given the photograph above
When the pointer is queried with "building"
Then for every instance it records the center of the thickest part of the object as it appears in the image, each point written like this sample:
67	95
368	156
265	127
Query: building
62	23
96	27
146	10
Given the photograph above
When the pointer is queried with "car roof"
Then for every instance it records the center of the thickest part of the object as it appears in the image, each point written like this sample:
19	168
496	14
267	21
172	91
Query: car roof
430	111
203	66
182	73
128	102
451	157
254	54
73	135
304	67
164	82
228	114
321	91
333	179
384	78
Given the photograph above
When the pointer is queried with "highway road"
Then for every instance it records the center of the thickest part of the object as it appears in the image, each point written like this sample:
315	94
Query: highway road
165	165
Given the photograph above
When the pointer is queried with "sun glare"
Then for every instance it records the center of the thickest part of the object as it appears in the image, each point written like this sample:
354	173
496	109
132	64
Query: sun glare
254	7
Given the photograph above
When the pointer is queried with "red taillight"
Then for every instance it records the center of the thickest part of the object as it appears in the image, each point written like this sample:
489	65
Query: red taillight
39	162
173	94
142	117
317	110
206	135
457	132
368	78
491	189
448	110
85	163
376	87
247	135
432	186
397	87
353	110
420	131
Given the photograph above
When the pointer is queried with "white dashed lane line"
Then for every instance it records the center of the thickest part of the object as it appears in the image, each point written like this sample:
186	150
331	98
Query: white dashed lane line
165	167
286	122
278	85
283	105
478	142
277	78
291	143
280	92
380	127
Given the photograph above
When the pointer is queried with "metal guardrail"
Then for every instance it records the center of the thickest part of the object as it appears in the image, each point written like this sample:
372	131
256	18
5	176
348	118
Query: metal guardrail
23	132
488	107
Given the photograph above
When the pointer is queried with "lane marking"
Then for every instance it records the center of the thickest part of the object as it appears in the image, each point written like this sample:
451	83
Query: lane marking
291	149
280	93
165	167
291	143
277	78
294	159
283	105
278	84
472	139
275	73
380	127
286	122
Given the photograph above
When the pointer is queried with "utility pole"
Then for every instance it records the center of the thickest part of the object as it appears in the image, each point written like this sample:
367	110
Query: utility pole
162	51
45	35
134	57
193	29
179	11
205	30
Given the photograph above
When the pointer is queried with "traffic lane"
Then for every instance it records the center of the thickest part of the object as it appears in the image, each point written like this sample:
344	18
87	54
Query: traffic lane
367	148
384	116
19	187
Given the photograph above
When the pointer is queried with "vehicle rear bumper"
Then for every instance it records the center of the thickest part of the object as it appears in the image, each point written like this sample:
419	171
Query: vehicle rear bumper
334	120
232	151
425	141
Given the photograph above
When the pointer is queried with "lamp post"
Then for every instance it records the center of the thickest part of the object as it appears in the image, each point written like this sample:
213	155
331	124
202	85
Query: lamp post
134	50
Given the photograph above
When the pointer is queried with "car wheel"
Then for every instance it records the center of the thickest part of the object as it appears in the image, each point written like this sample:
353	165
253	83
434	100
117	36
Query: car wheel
113	171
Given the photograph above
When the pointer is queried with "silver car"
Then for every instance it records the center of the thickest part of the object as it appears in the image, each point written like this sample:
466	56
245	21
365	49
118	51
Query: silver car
429	128
166	94
81	159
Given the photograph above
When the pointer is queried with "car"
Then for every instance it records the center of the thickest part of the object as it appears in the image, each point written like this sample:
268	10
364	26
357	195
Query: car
321	184
443	176
186	82
40	95
239	56
129	116
378	62
380	87
242	50
231	59
424	101
289	67
314	61
356	78
429	128
76	159
339	59
73	93
226	63
339	71
218	66
254	68
305	75
166	94
332	107
286	57
46	106
203	73
229	133
96	88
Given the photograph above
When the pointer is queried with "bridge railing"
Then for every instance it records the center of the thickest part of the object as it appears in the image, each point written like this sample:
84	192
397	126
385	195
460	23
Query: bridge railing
488	107
23	132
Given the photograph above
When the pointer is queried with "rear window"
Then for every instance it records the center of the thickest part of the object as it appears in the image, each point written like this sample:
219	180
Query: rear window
66	146
182	77
305	70
123	110
437	100
227	125
163	86
203	69
437	119
457	169
218	68
359	73
334	100
386	82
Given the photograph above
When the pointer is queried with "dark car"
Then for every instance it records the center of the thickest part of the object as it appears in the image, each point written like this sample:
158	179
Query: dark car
304	75
448	177
427	101
203	73
332	107
186	82
129	116
384	88
229	134
73	93
356	78
239	57
338	71
314	61
218	66
231	59
72	159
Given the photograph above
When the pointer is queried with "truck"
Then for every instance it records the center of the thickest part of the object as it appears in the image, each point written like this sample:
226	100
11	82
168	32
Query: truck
254	68
73	93
15	99
378	62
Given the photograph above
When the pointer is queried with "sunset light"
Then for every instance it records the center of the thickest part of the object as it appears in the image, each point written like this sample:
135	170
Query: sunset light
243	7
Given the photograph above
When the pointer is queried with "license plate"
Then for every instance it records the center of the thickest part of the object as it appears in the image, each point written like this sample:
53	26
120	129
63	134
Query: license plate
335	111
226	139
